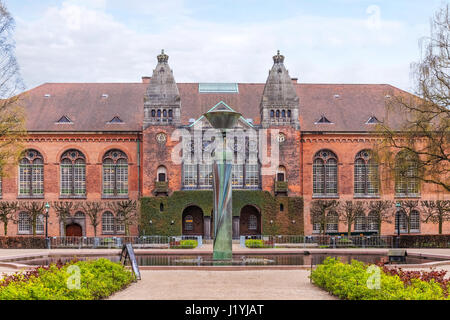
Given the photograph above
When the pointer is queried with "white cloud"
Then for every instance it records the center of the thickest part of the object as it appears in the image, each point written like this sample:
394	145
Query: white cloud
78	41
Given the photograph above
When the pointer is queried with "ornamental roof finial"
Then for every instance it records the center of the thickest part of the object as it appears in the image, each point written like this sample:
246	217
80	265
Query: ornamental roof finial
163	58
278	58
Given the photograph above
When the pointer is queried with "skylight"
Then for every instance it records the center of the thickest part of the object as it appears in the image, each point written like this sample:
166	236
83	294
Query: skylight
372	120
322	120
64	120
218	88
116	119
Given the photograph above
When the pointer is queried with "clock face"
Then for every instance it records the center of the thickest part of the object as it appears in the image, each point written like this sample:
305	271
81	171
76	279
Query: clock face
281	137
161	137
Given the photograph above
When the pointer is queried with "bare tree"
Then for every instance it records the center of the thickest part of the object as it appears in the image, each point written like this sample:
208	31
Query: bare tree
382	209
436	211
320	210
423	133
93	210
36	210
64	210
125	212
348	213
7	210
12	121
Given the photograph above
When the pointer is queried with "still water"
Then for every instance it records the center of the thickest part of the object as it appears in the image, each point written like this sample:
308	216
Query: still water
254	259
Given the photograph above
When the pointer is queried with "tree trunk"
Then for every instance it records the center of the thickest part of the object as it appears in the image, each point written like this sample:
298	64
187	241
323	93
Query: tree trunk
5	227
440	224
349	229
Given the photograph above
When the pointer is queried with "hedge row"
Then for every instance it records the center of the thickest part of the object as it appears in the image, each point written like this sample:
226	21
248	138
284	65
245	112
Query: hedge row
22	242
81	280
425	241
356	282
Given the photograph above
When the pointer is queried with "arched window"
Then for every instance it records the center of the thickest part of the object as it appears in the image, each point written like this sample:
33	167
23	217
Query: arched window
406	175
153	113
24	223
372	222
188	223
79	215
107	222
281	173
332	221
366	174
272	113
73	174
115	174
283	113
289	113
325	173
360	222
31	174
162	174
159	113
164	113
278	113
414	221
170	113
252	222
400	217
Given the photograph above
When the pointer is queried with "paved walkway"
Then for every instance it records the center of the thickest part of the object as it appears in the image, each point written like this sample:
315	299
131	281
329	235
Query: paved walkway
223	285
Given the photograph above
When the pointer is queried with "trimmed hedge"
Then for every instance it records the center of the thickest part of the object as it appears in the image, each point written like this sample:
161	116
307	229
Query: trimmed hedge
425	241
350	282
257	243
97	279
22	242
184	244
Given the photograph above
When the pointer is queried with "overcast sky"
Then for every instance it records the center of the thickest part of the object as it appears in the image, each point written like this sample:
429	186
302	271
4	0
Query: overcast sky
326	41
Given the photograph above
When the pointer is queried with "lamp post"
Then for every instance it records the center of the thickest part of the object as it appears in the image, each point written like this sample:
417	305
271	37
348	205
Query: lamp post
222	119
398	206
47	242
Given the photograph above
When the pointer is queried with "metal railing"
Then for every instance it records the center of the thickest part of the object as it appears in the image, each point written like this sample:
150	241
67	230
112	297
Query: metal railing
322	241
138	242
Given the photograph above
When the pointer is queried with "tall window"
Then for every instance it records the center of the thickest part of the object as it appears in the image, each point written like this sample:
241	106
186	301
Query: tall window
252	175
73	174
316	224
31	174
115	174
189	175
205	176
360	222
237	175
366	174
24	223
372	221
401	218
406	175
325	173
414	221
332	222
120	223
107	222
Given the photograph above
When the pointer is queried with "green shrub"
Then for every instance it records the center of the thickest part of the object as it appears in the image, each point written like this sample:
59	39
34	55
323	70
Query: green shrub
349	281
185	244
98	279
257	243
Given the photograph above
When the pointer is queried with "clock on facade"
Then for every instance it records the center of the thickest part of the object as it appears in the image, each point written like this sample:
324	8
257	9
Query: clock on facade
161	137
281	137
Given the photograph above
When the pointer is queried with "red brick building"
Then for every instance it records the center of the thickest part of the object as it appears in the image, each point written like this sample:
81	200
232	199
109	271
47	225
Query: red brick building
113	141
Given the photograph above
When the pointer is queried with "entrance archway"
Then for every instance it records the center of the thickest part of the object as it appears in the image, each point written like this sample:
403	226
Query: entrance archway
250	221
193	221
74	230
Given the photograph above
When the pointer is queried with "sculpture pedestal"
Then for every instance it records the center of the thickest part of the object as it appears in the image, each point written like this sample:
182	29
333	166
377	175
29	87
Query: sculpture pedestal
223	210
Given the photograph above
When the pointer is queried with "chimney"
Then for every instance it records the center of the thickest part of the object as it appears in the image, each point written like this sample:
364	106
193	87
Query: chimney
146	79
294	80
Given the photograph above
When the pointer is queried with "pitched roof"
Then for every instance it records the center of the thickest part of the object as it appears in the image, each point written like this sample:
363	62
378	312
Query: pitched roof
85	104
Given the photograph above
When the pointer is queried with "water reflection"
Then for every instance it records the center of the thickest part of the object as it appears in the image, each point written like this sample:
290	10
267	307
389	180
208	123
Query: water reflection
206	260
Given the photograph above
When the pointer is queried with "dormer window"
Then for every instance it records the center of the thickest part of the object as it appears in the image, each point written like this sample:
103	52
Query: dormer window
372	120
116	119
64	120
323	120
